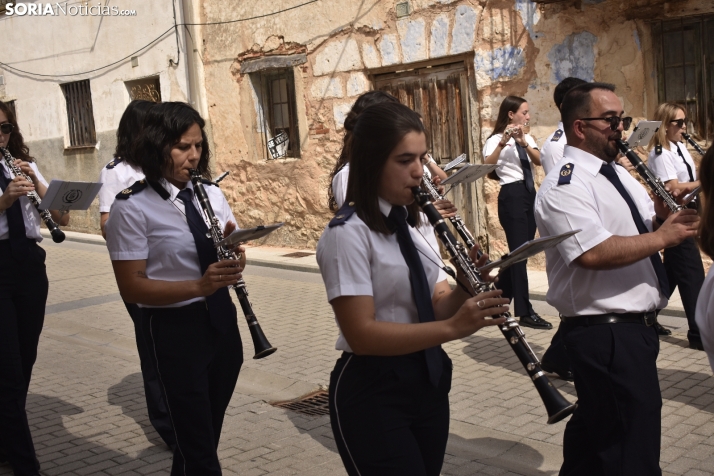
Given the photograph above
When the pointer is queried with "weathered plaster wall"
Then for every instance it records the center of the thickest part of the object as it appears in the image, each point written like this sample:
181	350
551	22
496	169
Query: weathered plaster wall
518	47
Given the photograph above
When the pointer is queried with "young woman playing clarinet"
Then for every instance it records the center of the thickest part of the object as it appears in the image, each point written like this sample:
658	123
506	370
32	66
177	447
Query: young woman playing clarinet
670	161
389	406
23	292
164	262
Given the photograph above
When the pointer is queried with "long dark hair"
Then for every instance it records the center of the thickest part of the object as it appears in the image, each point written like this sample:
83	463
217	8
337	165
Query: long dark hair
706	225
129	129
510	104
365	100
163	127
377	131
16	144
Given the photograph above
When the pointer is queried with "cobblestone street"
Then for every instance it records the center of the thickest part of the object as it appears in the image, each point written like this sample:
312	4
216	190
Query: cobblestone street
88	416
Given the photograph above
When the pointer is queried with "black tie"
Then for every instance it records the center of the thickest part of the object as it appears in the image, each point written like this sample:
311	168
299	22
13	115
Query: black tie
420	287
219	303
610	173
15	223
689	168
526	166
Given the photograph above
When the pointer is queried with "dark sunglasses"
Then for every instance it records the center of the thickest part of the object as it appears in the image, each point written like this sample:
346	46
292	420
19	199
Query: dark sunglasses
679	122
6	128
613	120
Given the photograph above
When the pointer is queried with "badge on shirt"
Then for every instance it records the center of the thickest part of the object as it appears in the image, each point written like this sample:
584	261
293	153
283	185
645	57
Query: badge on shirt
343	214
128	192
558	134
116	161
566	173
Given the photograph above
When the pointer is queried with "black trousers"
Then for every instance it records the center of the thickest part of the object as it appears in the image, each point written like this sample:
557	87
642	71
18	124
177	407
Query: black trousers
515	212
555	354
198	368
615	431
23	294
155	401
386	416
685	271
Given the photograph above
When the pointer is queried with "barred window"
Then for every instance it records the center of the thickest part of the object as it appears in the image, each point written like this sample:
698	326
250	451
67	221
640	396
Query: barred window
80	114
276	94
685	69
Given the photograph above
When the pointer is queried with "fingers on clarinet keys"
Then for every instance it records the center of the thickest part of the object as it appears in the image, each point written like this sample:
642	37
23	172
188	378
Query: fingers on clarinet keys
534	321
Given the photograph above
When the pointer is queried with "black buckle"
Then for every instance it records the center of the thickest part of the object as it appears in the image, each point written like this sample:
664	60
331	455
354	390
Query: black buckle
650	318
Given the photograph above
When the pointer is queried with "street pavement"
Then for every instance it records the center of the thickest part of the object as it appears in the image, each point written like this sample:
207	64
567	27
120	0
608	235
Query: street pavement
88	417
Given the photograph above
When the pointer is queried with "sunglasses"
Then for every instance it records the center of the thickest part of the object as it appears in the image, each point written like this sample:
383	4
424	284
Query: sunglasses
6	128
679	122
613	120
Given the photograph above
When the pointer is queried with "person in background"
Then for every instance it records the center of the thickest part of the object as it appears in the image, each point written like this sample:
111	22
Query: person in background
705	303
670	161
516	153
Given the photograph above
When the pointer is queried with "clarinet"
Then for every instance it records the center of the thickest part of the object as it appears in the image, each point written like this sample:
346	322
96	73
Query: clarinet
260	342
456	221
34	197
556	405
653	182
696	146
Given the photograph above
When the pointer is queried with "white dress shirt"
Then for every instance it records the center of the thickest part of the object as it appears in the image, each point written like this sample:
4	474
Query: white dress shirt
115	179
704	315
669	165
356	261
509	163
591	203
552	151
29	212
147	227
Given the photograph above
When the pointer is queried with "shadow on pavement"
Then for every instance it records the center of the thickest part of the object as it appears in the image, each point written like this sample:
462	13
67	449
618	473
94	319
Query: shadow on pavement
129	395
318	427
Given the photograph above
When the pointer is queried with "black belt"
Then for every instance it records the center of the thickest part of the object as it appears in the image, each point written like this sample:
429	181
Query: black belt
646	318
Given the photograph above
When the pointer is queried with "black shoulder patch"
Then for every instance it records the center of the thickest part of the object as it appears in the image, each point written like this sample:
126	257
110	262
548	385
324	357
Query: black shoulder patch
558	134
658	149
343	214
128	192
566	173
114	163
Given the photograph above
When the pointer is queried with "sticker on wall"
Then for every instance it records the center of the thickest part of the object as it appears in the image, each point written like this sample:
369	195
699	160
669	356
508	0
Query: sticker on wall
278	145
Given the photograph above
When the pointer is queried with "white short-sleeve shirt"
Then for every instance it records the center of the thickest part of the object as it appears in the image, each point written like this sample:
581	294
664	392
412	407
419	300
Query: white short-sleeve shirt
148	227
115	177
509	163
704	315
29	212
552	150
669	165
591	203
356	261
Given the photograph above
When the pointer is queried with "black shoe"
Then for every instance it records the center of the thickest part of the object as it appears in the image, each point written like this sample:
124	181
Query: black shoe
553	369
661	330
535	321
696	344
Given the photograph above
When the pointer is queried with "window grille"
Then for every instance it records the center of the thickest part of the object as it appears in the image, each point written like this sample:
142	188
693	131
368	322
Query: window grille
80	115
276	91
147	89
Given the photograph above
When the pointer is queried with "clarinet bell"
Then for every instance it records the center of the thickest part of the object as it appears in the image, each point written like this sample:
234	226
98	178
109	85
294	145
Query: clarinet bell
556	405
57	235
260	342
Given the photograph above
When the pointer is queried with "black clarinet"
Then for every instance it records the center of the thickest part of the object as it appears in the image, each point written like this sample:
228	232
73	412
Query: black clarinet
652	181
696	146
556	405
456	220
34	197
260	342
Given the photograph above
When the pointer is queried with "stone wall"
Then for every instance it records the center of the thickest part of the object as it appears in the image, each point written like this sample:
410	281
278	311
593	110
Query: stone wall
517	48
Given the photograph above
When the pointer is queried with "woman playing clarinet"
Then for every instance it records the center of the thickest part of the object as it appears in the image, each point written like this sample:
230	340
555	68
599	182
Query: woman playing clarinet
389	406
164	262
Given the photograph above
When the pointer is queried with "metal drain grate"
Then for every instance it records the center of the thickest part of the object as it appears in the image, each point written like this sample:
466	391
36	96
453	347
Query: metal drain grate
298	254
312	404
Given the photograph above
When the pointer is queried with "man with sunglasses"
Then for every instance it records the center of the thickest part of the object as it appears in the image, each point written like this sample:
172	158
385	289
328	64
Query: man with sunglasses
607	282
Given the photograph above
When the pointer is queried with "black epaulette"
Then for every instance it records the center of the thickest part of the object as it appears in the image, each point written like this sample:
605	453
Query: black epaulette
116	161
658	149
558	134
343	214
138	186
566	173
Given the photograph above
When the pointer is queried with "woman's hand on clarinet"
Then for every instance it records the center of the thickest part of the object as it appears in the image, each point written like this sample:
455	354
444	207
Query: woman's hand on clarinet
519	136
26	169
473	314
219	275
239	250
446	208
17	188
